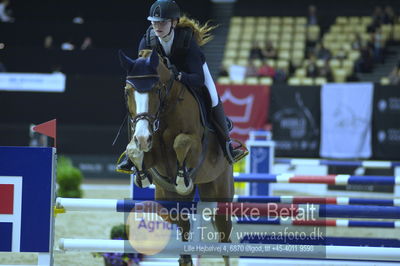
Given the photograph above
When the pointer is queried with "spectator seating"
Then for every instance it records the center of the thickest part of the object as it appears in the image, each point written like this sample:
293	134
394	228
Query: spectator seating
291	36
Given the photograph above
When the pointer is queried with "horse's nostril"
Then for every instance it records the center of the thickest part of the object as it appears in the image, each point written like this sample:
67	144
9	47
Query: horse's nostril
150	139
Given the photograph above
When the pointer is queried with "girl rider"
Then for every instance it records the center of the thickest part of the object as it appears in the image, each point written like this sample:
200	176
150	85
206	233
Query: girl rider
179	38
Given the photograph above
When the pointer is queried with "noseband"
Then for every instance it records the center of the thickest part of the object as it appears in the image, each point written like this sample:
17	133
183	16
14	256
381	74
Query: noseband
153	120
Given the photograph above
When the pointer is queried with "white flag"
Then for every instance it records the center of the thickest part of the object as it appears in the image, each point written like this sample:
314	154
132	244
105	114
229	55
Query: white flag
346	116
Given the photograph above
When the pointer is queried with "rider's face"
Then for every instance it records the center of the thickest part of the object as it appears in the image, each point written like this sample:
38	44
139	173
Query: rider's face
161	28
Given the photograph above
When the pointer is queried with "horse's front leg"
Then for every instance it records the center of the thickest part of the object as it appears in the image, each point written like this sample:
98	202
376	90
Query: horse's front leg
187	148
143	178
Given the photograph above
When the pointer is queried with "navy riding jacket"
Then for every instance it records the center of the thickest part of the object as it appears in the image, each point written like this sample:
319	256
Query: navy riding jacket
190	65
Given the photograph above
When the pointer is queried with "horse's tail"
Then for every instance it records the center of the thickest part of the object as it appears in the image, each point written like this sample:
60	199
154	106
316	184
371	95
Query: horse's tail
202	33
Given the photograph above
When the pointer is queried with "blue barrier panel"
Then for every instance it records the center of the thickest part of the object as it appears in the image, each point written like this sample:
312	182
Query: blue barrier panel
260	159
6	237
29	171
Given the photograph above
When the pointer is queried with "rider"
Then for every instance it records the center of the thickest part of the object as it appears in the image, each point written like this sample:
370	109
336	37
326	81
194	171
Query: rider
179	38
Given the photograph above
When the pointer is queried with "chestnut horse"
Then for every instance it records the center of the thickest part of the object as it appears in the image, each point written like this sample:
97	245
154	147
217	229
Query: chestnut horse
169	145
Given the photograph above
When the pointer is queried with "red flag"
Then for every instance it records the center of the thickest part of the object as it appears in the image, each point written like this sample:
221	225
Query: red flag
47	128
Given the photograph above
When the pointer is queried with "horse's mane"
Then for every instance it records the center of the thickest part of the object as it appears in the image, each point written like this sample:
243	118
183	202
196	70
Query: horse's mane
202	33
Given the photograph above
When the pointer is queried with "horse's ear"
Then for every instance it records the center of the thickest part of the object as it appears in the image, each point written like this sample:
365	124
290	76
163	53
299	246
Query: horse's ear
125	61
154	59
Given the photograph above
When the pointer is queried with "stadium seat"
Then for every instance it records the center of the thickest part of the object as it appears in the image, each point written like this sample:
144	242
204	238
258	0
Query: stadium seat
230	53
307	81
237	82
334	63
285	45
367	20
275	20
293	81
300	28
262	20
236	20
396	32
339	75
249	20
300	73
288	20
242	62
223	80
300	20
282	64
341	20
232	46
320	81
354	20
251	81
313	33
266	81
284	54
354	55
348	65
385	81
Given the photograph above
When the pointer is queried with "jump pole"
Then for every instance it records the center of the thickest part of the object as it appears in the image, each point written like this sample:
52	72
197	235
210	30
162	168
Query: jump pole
240	249
317	162
319	200
328	179
320	222
237	208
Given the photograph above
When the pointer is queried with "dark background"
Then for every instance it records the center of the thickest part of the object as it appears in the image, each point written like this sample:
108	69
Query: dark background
92	108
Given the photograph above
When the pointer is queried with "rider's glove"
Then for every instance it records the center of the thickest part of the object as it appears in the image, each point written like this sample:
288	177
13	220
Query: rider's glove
177	75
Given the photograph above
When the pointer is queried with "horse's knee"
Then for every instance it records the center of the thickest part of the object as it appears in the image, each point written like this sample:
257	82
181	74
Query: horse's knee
182	145
183	141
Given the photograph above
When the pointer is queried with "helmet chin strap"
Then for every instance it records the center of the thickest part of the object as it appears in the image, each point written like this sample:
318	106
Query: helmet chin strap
167	37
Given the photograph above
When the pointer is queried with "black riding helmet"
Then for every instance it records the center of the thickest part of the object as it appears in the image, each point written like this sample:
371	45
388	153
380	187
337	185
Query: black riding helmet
163	10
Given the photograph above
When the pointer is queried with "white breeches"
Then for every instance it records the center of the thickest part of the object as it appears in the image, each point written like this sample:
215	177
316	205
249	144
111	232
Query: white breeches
209	83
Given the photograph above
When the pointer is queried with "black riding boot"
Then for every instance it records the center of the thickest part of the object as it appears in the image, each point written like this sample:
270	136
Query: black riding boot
125	166
220	124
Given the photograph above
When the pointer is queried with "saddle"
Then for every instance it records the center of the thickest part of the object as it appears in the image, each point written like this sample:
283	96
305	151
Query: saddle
204	102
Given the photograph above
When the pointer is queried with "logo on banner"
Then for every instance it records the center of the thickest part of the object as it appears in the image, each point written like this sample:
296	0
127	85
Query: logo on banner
246	106
346	118
390	135
246	103
259	156
381	136
297	120
382	105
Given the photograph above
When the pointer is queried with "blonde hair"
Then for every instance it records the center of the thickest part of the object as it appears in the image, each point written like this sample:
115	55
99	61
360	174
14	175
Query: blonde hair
202	33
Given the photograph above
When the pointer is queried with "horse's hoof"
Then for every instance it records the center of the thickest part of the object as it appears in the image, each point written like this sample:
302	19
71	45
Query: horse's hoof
142	179
184	188
185	260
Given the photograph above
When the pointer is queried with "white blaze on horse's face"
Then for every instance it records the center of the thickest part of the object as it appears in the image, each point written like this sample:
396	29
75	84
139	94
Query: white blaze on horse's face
142	134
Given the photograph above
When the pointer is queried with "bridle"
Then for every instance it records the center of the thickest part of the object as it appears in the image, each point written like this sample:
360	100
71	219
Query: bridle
153	120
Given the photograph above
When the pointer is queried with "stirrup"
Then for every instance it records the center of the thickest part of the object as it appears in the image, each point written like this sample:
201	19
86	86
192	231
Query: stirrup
121	170
240	148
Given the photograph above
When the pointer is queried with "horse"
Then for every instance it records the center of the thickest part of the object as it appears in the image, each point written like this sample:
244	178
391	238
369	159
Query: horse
169	146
